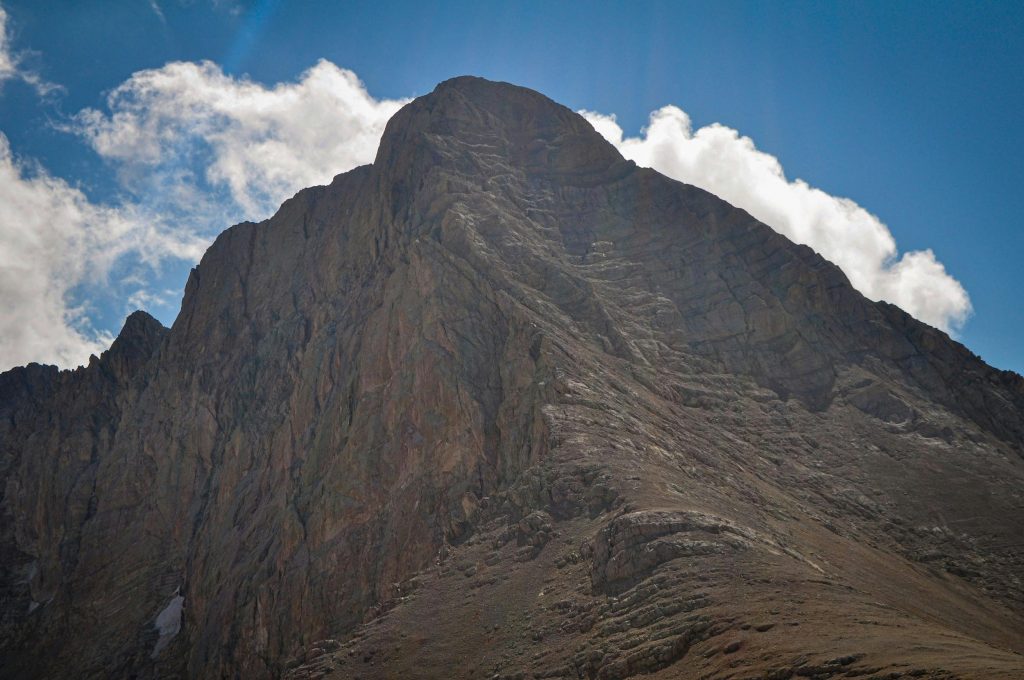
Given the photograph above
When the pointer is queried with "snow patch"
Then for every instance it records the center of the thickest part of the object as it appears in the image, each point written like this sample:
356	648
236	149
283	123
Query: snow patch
168	623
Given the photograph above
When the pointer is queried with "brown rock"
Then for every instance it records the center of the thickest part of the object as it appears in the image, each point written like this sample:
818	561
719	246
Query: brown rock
501	329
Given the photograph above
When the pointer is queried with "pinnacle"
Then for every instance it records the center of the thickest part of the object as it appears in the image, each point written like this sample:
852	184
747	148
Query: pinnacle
139	336
138	323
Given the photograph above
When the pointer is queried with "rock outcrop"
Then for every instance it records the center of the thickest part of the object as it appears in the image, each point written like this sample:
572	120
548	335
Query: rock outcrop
503	404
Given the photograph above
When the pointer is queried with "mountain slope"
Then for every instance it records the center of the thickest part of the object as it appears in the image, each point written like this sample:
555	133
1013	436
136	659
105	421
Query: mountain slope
503	403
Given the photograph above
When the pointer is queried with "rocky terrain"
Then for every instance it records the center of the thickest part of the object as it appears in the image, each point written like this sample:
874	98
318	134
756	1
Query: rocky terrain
504	405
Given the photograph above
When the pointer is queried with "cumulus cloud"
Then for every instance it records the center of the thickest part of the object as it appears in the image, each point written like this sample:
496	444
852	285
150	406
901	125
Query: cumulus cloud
198	134
54	240
195	150
720	160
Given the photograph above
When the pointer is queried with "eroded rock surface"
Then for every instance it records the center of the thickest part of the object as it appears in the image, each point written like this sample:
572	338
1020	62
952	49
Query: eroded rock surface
503	404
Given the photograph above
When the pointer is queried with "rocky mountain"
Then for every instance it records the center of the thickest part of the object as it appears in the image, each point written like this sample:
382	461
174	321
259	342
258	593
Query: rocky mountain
504	405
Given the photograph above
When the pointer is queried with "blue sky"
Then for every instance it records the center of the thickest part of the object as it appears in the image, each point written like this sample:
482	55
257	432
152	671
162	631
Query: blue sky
909	109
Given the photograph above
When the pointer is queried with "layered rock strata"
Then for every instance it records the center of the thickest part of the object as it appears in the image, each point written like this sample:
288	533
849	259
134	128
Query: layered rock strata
503	404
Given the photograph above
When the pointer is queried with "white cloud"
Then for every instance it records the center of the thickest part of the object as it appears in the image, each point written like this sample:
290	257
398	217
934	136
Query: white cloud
145	298
11	66
718	159
158	11
199	134
195	151
53	241
8	64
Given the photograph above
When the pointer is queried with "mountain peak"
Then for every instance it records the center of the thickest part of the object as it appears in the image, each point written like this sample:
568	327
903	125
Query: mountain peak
469	114
468	84
140	321
140	335
502	357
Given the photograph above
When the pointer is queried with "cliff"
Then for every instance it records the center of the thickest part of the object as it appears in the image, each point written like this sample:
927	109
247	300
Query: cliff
504	404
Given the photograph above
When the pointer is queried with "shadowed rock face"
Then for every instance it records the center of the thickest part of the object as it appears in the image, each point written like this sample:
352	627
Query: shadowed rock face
504	404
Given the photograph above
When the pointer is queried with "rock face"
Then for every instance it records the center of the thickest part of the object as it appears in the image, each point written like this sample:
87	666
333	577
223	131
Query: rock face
503	404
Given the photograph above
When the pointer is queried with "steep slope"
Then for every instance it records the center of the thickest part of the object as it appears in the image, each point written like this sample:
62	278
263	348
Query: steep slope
57	431
503	403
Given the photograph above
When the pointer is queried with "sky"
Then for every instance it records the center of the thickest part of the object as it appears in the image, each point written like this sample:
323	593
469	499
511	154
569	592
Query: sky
885	135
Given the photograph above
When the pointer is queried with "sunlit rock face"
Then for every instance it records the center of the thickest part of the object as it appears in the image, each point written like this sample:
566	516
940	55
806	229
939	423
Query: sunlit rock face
504	404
